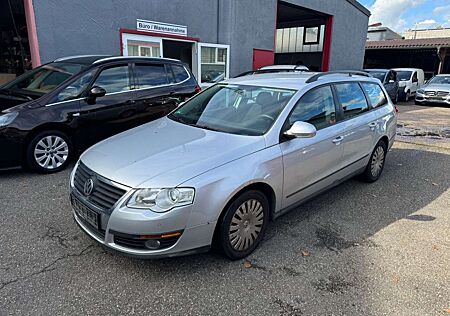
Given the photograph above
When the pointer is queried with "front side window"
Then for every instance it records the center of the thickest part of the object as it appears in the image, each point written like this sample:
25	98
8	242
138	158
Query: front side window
114	79
76	88
315	107
236	109
375	93
151	75
45	78
352	99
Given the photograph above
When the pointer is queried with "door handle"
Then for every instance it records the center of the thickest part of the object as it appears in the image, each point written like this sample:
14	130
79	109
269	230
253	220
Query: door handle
338	140
373	125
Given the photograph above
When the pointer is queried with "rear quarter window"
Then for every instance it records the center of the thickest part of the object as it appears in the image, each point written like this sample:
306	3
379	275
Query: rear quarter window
180	74
150	75
375	93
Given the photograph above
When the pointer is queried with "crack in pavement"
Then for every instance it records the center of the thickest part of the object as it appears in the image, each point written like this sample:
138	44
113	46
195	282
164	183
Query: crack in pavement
48	268
57	235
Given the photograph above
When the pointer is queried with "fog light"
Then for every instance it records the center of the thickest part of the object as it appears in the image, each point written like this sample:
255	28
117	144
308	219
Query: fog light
152	244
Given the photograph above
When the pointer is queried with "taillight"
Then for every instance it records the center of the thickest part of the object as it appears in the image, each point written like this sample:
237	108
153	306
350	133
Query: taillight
396	109
198	89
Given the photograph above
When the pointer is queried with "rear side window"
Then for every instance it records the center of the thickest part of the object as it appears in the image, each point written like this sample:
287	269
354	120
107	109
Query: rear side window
315	107
180	73
352	99
375	93
151	75
114	79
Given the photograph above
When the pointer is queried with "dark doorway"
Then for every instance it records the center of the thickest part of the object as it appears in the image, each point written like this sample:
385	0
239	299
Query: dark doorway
14	48
178	50
300	36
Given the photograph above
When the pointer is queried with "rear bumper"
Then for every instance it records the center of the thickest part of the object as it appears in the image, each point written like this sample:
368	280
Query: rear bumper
10	149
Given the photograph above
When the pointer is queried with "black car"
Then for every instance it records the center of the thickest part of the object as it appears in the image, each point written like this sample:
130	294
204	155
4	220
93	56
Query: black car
389	79
61	108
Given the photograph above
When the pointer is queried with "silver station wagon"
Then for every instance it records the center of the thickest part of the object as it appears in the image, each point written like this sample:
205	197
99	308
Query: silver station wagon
217	169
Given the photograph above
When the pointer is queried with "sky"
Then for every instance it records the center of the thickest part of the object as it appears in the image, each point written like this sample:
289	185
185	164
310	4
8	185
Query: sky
401	15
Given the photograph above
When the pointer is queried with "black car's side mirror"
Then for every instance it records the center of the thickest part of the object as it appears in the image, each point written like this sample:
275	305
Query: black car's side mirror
94	93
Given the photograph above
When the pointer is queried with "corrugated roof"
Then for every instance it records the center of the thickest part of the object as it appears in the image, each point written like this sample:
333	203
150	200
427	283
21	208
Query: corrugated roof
412	43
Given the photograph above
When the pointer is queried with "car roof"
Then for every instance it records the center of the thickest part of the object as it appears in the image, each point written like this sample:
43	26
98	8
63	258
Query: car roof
442	75
377	69
406	69
97	59
287	67
293	80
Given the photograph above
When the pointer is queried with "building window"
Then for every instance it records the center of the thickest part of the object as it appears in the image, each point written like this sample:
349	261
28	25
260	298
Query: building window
311	35
213	63
143	48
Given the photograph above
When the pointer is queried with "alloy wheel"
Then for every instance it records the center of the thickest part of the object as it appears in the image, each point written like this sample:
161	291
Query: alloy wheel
246	225
51	152
377	162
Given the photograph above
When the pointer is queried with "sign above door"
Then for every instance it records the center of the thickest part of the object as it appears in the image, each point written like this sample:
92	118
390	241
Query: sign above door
160	27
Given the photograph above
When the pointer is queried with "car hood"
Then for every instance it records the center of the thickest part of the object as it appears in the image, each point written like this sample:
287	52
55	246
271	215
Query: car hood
165	153
14	102
436	87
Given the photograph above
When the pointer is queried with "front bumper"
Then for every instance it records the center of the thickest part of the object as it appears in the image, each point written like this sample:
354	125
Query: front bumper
11	152
119	226
422	98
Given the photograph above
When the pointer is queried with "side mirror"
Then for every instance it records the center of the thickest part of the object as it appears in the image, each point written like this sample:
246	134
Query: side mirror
97	92
301	130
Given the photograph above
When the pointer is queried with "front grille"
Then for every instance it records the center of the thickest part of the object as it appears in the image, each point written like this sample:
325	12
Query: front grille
104	194
430	93
436	93
133	241
442	93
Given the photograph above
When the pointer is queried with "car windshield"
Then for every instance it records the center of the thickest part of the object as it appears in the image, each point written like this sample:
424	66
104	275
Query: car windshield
378	74
233	108
44	79
404	75
440	80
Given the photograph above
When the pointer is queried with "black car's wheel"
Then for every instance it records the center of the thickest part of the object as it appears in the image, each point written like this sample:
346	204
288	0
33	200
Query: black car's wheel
48	151
243	225
375	165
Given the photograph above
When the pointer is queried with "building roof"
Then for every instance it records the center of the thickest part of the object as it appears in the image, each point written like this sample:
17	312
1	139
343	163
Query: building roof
359	6
412	43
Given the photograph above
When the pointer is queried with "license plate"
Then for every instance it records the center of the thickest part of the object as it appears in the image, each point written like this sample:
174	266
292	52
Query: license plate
82	211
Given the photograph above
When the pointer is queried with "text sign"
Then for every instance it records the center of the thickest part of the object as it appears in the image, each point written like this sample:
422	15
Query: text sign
160	27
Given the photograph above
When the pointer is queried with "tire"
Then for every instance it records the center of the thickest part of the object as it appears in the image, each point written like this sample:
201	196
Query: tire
376	163
48	152
407	96
243	225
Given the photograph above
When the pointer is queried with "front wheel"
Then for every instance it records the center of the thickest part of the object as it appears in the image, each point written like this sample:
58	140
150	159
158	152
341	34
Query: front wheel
243	225
375	165
48	152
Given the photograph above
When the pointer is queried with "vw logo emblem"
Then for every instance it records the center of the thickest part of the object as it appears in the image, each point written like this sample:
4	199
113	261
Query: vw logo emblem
88	187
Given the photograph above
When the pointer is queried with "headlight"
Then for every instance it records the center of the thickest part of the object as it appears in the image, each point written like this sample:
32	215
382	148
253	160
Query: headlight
161	200
420	91
7	118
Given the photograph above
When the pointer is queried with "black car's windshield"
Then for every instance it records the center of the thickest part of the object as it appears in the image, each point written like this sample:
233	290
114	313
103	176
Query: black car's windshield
43	79
404	75
236	109
378	74
440	80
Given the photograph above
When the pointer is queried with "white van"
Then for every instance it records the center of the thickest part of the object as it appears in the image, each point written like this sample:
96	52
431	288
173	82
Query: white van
410	79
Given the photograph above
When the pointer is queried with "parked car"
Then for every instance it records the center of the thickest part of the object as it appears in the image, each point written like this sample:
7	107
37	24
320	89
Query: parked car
410	80
275	69
436	90
238	154
71	103
389	79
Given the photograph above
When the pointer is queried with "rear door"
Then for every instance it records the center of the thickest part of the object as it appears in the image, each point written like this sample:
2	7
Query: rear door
359	125
114	112
310	164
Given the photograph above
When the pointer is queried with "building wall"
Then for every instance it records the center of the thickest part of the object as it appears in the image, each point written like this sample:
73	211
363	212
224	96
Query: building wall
381	34
431	33
92	27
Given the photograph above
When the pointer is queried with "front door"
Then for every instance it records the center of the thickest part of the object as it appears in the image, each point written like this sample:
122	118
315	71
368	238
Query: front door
114	112
311	163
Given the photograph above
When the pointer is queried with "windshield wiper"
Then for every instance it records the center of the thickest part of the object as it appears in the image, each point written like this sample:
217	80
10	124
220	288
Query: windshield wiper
207	127
14	93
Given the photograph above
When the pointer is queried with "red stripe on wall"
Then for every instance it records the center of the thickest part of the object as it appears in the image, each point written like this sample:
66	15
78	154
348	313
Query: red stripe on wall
32	33
327	44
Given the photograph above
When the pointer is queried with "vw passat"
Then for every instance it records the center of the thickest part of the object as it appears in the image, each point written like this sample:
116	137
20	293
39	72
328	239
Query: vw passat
230	159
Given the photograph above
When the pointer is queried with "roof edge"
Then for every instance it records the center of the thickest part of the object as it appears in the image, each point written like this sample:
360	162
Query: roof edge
360	7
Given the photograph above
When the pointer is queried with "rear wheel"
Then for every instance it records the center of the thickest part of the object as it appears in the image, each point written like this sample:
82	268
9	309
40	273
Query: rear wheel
243	225
375	165
407	96
48	152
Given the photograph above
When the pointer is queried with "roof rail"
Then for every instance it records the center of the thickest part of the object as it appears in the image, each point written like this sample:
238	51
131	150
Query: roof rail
335	72
77	56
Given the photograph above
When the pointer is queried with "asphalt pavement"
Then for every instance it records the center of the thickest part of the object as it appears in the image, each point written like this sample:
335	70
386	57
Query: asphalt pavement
359	249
